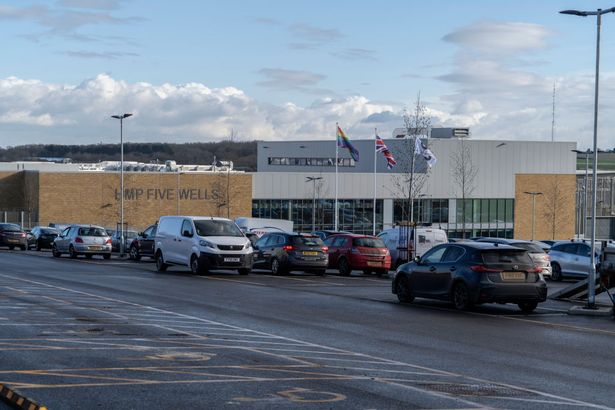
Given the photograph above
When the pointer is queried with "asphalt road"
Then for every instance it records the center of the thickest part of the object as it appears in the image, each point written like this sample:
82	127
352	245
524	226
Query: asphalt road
117	334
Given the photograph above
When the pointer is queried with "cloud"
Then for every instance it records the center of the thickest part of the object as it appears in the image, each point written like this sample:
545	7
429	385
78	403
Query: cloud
32	111
109	55
281	79
493	38
355	54
314	34
91	4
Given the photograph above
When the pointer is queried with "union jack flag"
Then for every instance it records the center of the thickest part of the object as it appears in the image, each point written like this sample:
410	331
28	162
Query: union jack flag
381	147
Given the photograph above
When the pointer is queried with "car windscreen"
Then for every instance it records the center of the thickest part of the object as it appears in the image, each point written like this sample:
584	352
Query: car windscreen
532	247
92	231
506	257
10	227
306	241
217	228
368	242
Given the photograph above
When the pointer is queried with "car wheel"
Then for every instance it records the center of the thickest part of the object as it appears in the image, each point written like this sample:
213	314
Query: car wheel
11	247
88	256
556	272
106	256
134	253
38	246
276	268
244	271
160	265
344	267
461	296
22	247
404	294
71	252
527	307
54	251
196	267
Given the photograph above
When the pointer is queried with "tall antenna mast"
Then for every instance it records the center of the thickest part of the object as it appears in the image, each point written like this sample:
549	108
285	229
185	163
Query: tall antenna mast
553	115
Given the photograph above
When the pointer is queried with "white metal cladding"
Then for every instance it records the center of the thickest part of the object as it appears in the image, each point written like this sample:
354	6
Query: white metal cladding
497	163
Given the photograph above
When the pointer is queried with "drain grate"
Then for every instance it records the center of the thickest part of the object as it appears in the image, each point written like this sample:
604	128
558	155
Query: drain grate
475	389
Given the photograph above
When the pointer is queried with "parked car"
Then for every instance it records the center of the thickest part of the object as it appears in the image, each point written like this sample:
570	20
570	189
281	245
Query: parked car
537	253
42	237
13	236
570	259
284	252
400	246
252	237
85	240
116	239
326	233
143	243
202	243
348	252
469	273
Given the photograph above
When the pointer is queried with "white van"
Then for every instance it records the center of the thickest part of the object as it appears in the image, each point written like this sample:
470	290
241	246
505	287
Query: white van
261	226
202	243
394	241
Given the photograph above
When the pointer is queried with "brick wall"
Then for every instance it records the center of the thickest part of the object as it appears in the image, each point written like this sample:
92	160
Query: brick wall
80	197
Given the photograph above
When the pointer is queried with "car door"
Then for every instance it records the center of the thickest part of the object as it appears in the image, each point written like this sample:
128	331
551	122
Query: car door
448	268
423	280
147	242
583	259
184	242
334	249
259	254
62	241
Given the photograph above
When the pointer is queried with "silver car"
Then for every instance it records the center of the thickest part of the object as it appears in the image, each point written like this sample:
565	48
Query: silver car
540	258
570	260
85	240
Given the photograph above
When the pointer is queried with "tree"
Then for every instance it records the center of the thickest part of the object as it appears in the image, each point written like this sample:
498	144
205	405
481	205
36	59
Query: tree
555	202
463	176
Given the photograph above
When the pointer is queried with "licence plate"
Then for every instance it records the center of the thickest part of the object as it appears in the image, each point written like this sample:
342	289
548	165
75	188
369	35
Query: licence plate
310	253
370	263
94	248
513	276
12	240
231	259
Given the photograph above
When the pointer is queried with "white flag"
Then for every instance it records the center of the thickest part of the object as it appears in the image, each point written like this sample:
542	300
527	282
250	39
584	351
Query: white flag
425	152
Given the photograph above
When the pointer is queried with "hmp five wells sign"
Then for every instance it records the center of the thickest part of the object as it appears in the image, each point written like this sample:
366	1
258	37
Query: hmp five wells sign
169	194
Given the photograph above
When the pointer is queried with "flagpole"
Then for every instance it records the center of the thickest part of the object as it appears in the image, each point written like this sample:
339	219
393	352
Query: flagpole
375	184
337	148
411	225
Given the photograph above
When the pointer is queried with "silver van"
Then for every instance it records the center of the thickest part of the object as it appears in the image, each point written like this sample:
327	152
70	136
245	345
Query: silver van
202	243
396	241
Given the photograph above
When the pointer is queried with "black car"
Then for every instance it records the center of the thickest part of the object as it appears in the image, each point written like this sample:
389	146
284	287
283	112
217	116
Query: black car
13	236
143	244
41	237
284	252
469	273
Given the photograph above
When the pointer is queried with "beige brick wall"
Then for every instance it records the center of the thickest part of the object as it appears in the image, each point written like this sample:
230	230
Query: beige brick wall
94	197
554	216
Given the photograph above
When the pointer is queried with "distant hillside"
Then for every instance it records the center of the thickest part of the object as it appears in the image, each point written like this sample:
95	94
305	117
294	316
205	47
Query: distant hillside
243	154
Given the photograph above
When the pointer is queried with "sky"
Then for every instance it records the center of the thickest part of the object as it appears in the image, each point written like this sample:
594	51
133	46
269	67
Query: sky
200	71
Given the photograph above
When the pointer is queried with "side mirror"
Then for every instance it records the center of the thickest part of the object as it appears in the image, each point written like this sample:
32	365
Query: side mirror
417	260
141	234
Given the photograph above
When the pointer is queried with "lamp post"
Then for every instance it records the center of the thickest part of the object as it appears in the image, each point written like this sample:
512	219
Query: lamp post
533	194
313	180
591	279
121	118
583	223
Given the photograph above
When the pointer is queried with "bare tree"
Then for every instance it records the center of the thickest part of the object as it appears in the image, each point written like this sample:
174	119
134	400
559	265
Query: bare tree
463	176
555	202
407	182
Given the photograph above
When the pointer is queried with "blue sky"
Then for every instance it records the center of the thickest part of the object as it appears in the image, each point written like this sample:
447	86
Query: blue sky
202	70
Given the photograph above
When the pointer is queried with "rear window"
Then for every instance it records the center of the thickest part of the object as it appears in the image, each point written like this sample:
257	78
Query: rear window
306	240
91	231
49	231
10	227
532	247
368	242
506	257
217	228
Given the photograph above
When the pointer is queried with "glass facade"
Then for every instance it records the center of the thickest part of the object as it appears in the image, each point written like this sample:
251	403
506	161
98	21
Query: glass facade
311	162
483	217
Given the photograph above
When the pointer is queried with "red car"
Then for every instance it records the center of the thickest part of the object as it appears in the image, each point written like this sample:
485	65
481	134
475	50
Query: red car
348	252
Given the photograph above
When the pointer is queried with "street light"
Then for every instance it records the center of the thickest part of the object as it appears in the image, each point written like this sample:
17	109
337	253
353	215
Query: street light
583	224
313	180
533	194
121	118
591	279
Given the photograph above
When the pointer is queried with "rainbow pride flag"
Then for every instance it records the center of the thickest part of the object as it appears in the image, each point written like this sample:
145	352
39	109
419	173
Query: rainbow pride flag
344	142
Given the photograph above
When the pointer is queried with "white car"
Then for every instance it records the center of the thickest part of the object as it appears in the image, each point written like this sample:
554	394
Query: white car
85	240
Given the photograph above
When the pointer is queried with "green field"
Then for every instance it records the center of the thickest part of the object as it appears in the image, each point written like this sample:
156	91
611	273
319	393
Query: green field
606	161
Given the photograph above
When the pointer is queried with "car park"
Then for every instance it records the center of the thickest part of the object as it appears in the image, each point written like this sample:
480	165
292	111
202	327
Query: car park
202	243
85	240
571	259
12	236
348	252
401	243
284	252
116	240
469	273
42	237
536	251
143	244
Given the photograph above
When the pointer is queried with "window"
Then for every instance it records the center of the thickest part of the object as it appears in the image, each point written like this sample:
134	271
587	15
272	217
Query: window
434	255
92	231
215	227
339	241
187	229
453	253
316	161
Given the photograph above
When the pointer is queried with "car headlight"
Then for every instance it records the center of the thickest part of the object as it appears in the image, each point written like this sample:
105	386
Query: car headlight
207	244
248	245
